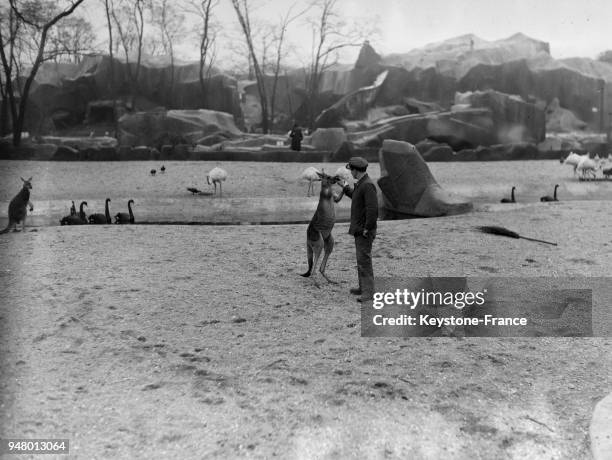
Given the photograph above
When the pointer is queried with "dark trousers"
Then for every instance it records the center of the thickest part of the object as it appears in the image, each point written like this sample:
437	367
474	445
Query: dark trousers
365	272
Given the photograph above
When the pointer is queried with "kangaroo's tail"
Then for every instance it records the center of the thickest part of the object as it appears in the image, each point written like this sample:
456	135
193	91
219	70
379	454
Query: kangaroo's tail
8	227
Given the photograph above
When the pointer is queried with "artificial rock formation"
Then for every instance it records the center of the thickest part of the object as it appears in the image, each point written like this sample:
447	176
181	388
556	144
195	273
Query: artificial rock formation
174	127
62	94
408	187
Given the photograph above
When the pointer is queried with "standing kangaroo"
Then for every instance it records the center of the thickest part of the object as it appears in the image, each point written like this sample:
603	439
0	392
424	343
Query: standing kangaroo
319	232
17	210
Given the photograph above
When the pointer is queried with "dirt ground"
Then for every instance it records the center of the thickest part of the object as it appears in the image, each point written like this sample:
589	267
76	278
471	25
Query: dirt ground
204	342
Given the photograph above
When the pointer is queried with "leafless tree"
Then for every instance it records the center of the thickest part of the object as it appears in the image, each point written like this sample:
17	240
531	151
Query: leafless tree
108	7
9	42
128	19
167	17
39	23
330	36
72	38
279	39
243	13
207	36
266	60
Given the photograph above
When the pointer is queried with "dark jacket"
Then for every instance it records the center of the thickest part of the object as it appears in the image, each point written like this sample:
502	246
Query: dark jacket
296	138
364	206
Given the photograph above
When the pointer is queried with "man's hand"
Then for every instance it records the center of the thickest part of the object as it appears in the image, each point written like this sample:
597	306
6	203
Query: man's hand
366	234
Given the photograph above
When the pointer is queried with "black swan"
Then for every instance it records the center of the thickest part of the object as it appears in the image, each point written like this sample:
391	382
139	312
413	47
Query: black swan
125	218
511	200
551	198
77	219
99	218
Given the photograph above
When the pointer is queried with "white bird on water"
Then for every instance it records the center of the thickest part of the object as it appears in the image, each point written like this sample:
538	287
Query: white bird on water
217	175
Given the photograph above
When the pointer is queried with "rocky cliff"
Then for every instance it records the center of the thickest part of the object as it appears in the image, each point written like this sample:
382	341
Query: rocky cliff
63	94
518	65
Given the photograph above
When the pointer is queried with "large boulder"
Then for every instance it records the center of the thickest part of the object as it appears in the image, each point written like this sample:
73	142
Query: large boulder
63	93
464	129
351	106
560	120
408	187
328	139
514	120
174	127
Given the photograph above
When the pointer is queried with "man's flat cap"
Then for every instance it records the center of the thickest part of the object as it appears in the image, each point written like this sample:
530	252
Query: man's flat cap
357	163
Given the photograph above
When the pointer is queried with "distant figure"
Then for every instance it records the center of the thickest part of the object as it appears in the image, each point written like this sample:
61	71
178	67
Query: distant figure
471	45
296	138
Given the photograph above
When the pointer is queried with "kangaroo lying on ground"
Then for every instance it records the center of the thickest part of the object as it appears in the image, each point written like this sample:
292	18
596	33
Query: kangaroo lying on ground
17	210
318	234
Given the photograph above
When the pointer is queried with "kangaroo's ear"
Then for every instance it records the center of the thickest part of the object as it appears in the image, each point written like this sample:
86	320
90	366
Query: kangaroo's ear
22	178
320	175
30	179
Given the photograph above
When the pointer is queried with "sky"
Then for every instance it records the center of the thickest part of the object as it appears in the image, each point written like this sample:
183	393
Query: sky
571	27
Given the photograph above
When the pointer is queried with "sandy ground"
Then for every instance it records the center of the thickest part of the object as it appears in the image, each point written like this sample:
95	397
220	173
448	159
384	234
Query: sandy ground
203	342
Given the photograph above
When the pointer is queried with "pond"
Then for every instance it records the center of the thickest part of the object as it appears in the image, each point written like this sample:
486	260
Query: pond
256	192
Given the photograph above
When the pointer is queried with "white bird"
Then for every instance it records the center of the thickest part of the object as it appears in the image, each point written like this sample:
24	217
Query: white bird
217	175
573	159
310	174
588	166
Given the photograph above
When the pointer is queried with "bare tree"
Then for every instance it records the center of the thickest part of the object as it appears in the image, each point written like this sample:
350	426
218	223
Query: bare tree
284	23
9	43
72	38
108	7
206	35
29	16
266	62
243	13
128	18
330	36
170	23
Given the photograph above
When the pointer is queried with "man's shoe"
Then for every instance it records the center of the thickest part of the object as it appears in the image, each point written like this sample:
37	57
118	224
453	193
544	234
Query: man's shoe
363	299
355	291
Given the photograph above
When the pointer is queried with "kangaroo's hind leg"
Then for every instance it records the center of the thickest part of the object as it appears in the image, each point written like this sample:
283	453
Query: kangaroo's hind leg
317	247
312	236
309	252
329	247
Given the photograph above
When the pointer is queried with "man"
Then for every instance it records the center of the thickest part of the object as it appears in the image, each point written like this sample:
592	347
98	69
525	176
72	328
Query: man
364	213
296	138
